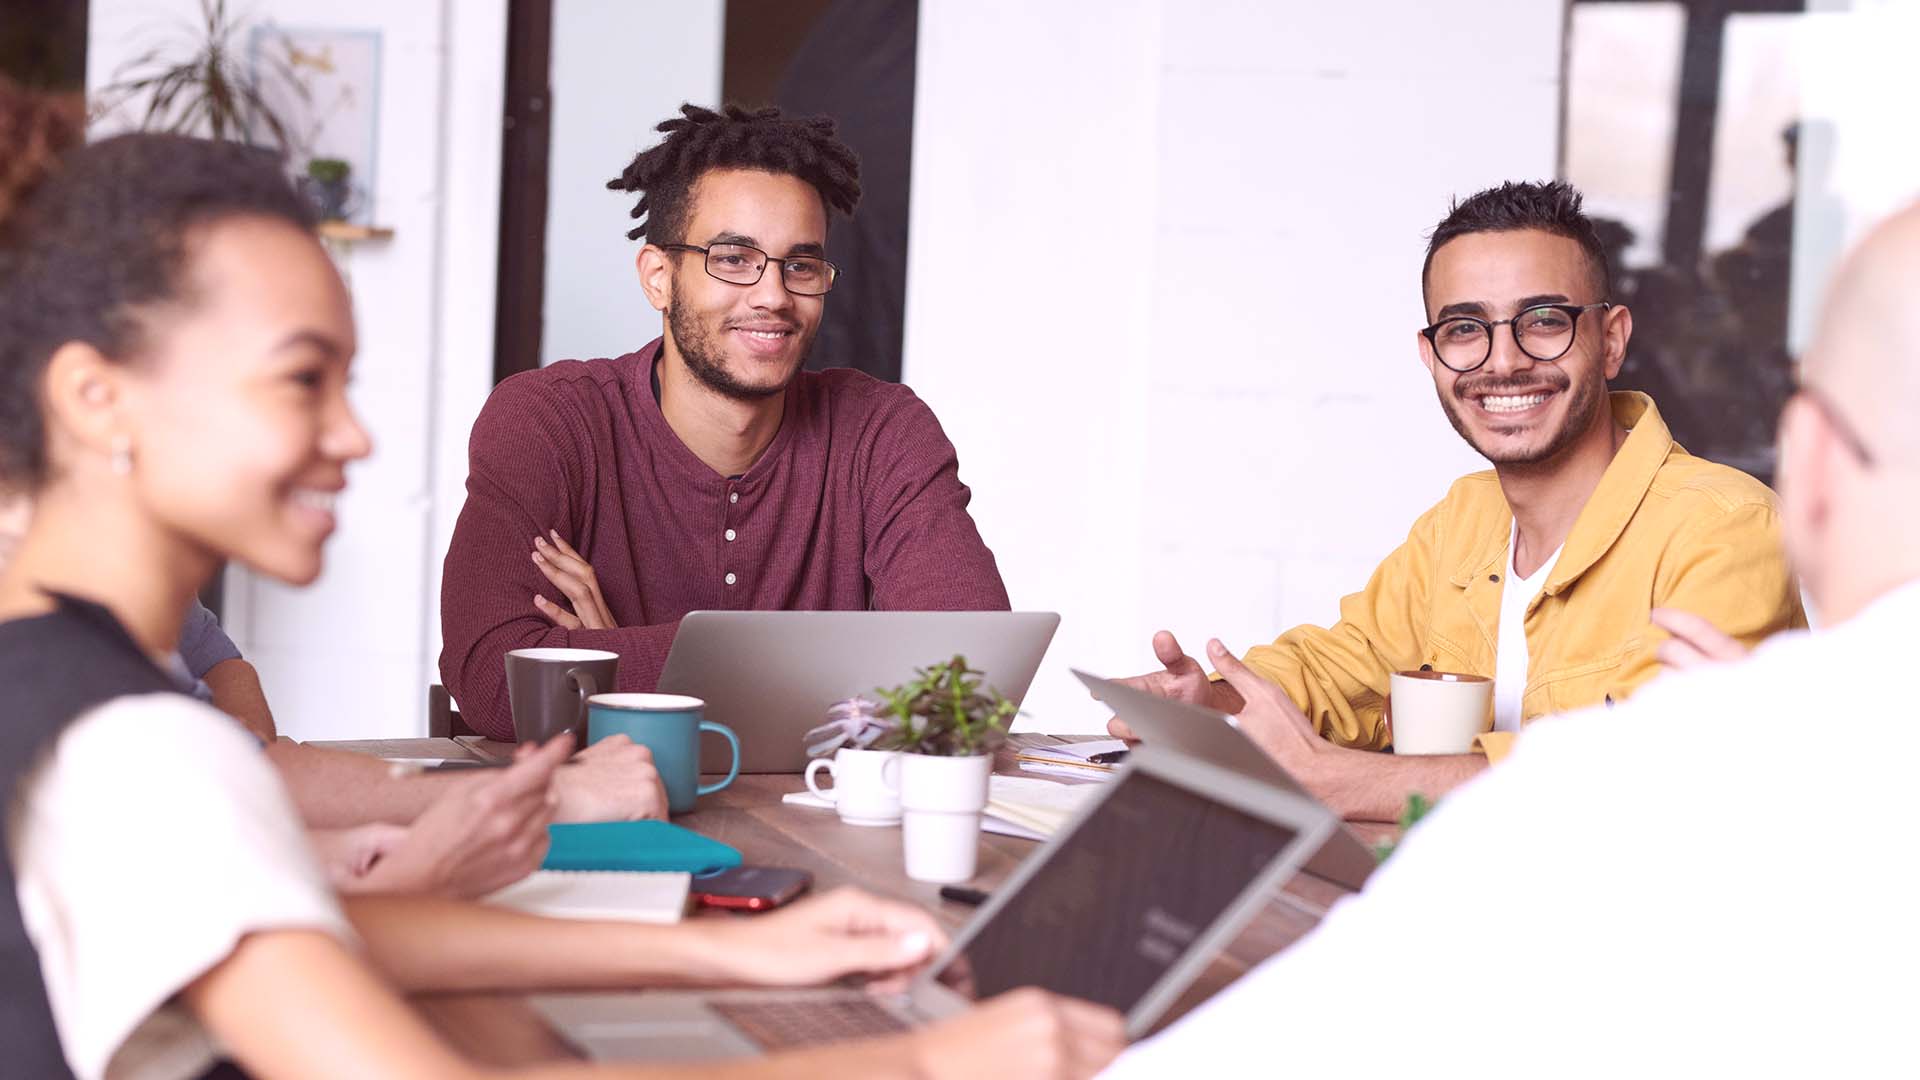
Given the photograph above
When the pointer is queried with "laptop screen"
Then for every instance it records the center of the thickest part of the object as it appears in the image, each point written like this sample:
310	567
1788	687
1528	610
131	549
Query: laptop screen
1122	898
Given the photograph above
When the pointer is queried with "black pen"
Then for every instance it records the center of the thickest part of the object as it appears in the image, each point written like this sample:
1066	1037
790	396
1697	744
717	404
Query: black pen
1108	757
960	894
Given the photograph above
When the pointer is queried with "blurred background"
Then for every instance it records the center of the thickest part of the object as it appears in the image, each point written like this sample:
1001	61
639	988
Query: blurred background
1180	435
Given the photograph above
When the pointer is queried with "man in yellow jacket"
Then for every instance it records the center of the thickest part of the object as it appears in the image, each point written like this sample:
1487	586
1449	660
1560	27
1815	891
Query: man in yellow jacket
1546	574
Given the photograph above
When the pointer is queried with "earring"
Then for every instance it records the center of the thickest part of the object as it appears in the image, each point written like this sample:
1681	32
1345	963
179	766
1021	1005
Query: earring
122	455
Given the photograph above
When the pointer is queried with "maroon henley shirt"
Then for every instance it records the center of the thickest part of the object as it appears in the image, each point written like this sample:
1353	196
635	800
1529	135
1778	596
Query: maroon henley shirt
856	504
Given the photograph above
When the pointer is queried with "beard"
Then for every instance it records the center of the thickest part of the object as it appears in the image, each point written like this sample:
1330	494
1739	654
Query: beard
1583	407
705	356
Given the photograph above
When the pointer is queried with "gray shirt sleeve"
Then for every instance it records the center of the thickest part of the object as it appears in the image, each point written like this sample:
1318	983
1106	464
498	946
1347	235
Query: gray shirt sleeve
202	642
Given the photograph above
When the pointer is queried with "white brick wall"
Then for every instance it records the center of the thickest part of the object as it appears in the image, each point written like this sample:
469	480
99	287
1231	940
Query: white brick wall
1217	446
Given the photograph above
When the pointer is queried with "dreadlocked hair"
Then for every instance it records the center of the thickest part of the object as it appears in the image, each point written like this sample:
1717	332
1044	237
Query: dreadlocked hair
700	140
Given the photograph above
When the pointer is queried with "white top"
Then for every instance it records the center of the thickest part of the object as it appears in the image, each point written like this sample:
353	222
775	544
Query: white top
1510	657
156	836
1715	878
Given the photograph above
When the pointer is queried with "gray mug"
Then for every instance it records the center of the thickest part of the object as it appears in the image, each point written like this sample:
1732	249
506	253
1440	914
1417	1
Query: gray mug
549	688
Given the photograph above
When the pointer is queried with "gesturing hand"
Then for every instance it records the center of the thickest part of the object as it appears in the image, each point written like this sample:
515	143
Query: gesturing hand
573	576
612	780
1184	679
483	833
1695	641
844	932
1271	719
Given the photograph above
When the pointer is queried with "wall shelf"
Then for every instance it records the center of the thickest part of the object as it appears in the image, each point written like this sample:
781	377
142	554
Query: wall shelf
346	232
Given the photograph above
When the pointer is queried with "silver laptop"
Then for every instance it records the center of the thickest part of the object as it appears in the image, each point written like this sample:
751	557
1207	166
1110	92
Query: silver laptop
1121	907
770	675
1346	860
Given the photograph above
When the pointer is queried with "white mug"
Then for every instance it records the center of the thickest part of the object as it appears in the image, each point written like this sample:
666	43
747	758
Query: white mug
859	792
1438	712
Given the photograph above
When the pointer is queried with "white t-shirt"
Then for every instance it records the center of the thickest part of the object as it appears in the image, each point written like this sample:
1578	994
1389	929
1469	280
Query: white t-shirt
1510	658
155	837
1711	879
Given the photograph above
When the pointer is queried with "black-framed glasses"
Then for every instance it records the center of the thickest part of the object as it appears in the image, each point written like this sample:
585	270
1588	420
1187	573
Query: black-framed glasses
743	264
1849	435
1544	332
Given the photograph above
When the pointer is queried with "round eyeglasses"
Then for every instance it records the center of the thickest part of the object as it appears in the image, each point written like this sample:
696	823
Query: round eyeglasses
743	264
1544	332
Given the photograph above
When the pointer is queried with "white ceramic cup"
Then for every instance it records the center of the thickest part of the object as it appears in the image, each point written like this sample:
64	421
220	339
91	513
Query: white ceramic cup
859	792
1438	712
941	800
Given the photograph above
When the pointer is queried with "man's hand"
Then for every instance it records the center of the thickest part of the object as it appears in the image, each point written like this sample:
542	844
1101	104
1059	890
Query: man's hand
1183	680
1025	1034
612	780
573	576
844	932
484	833
1269	717
1695	641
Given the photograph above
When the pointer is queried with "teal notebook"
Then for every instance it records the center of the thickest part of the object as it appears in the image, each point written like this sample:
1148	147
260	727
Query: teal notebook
635	845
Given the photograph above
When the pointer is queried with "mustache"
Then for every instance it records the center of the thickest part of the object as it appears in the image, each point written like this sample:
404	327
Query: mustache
1548	379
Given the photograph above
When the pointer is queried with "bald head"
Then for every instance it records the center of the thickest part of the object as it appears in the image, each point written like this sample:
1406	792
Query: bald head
1850	450
1865	356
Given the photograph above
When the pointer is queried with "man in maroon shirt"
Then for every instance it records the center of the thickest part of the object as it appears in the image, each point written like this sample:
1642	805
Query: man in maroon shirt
608	498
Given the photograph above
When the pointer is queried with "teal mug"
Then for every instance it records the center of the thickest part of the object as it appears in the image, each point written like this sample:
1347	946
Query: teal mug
670	726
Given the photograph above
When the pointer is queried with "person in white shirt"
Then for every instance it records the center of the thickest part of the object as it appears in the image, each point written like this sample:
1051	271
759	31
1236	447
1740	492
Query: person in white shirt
1741	902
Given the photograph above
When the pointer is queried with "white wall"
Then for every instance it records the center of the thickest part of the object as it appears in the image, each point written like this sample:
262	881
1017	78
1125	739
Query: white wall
350	657
1156	443
619	68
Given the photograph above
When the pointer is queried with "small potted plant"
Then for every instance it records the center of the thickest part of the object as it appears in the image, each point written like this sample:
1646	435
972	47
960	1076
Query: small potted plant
327	185
949	727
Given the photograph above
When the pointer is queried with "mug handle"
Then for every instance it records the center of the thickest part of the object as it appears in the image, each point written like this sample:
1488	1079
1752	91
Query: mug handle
813	770
892	785
586	686
721	729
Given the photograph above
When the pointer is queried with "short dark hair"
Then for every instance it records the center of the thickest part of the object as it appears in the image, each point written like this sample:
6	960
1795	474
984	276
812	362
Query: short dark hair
1551	207
700	140
97	243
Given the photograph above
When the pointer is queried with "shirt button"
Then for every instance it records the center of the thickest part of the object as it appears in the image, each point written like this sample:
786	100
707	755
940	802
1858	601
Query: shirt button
733	496
731	579
729	535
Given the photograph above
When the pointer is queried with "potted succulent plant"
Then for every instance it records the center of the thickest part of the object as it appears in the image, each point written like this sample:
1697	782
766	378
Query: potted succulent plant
845	748
949	726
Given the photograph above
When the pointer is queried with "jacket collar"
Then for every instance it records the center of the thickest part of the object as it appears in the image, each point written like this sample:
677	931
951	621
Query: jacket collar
1612	505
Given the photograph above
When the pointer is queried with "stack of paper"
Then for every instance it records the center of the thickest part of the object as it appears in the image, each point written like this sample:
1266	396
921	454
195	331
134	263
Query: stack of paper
1039	806
633	896
1070	759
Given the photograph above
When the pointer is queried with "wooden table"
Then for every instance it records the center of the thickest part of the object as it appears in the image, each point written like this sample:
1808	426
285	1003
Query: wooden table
749	815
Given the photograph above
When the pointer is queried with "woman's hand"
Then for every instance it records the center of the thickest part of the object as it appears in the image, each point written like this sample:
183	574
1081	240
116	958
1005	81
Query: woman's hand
843	932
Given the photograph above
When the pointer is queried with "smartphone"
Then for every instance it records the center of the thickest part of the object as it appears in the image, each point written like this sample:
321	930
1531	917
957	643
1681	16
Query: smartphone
750	888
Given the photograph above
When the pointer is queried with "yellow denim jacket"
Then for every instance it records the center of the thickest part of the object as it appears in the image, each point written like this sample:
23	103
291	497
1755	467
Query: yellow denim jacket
1663	529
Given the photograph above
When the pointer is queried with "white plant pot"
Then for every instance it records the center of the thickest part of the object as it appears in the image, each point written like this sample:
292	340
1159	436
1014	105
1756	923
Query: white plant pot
941	800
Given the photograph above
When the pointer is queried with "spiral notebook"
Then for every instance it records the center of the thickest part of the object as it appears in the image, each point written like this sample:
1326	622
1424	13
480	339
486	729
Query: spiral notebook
599	894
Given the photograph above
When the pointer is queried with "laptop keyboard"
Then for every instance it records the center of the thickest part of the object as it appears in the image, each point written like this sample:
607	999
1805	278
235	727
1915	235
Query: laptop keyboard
784	1025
